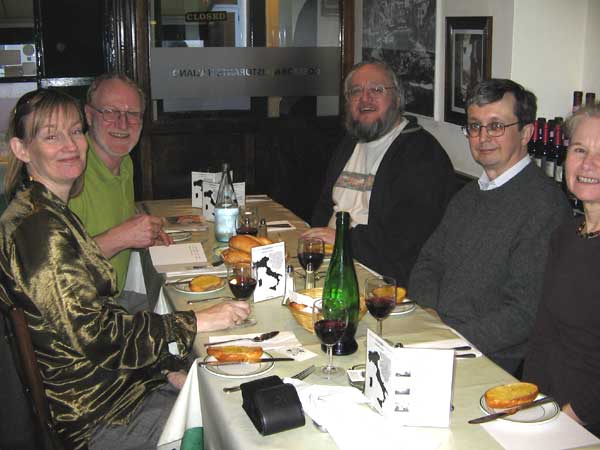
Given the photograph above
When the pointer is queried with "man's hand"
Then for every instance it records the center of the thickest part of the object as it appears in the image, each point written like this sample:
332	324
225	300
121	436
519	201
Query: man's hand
325	233
141	231
222	316
568	410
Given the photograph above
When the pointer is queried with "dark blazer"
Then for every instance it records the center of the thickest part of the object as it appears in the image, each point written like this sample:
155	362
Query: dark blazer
412	187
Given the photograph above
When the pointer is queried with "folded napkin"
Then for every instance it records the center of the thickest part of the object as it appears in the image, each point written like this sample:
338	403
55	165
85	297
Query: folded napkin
209	270
344	413
559	433
271	228
285	343
163	307
257	198
307	300
184	428
448	344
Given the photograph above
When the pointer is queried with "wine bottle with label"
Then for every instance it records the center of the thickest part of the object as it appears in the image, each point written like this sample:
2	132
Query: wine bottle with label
341	285
226	208
540	144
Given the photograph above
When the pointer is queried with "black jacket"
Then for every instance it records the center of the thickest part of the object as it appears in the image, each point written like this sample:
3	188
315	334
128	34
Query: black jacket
412	187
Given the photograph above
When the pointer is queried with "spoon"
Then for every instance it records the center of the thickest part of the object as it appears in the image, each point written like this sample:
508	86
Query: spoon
259	338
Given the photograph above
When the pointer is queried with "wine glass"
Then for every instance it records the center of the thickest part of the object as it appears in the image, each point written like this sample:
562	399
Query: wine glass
330	323
380	297
242	282
311	252
247	221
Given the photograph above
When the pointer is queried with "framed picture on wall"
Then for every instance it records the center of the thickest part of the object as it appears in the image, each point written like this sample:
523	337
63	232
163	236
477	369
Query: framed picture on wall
468	61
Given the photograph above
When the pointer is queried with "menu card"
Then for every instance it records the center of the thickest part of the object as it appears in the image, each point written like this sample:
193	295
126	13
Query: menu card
205	186
413	386
178	258
269	261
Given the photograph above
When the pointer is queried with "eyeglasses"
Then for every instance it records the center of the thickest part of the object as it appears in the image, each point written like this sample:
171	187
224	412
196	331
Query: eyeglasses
494	129
112	115
374	90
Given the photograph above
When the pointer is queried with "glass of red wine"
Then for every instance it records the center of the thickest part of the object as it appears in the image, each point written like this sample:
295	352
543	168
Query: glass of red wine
330	323
247	221
311	252
242	282
380	297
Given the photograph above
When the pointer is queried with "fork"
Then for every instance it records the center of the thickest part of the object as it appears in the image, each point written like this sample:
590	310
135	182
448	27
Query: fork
299	376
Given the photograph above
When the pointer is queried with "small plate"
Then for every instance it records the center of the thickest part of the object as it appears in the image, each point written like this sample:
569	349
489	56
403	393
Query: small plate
242	370
537	414
185	288
179	236
403	309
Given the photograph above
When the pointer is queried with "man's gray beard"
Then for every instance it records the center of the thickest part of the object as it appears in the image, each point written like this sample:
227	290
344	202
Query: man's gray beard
373	131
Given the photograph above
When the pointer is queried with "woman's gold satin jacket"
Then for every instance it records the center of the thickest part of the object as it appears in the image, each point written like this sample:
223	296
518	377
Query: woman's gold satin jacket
97	361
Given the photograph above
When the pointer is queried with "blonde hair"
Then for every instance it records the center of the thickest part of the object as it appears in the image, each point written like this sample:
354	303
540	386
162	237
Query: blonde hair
575	119
28	116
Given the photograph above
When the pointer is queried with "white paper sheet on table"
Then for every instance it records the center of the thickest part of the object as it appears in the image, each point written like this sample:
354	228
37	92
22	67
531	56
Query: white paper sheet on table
285	343
557	434
448	344
354	426
178	258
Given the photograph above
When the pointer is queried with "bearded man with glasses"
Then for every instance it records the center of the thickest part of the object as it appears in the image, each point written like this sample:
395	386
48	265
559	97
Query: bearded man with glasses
393	177
114	111
481	271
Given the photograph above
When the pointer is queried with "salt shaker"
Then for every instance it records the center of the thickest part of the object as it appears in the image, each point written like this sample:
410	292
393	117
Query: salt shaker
289	284
262	229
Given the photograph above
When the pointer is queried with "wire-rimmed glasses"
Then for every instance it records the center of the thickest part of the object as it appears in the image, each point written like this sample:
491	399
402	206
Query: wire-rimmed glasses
112	115
493	129
374	91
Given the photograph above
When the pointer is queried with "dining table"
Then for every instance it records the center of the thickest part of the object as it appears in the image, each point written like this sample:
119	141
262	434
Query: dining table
228	427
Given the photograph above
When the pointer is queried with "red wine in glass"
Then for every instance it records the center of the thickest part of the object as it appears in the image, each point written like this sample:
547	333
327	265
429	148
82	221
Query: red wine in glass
245	229
242	287
329	331
314	259
380	307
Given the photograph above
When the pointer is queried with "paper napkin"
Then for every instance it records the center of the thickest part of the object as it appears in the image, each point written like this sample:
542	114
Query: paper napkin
447	344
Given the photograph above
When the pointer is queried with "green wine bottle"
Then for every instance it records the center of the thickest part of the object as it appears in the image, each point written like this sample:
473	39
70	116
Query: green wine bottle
341	287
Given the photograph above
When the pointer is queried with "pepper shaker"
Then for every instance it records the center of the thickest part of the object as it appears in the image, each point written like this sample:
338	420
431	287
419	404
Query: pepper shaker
262	229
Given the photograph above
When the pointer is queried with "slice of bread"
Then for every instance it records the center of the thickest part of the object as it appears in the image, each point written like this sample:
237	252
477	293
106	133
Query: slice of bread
204	283
509	395
386	291
236	353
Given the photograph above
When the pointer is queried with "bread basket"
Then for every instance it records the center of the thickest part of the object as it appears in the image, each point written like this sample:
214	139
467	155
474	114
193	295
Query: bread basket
305	318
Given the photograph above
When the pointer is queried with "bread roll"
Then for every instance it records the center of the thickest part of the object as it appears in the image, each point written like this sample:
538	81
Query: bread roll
264	240
297	306
205	283
232	256
236	353
509	395
244	242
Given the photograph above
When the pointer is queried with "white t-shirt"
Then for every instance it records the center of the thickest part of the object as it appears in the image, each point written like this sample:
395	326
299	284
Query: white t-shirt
352	190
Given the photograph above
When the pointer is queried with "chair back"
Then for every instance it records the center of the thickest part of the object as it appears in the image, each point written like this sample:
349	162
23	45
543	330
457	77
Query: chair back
26	367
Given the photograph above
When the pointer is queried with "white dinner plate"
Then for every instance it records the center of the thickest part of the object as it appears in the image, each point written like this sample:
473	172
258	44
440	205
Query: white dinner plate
179	236
185	288
242	370
537	414
403	309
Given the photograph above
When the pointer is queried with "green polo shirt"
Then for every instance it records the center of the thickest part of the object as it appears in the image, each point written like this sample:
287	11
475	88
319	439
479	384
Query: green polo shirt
106	201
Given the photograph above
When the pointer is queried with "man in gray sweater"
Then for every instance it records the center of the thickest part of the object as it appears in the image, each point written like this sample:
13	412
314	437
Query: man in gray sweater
481	271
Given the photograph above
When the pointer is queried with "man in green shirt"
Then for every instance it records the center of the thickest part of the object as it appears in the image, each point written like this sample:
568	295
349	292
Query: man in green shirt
114	112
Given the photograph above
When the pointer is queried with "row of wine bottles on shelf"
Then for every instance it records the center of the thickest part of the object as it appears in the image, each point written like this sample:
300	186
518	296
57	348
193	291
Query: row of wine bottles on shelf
547	148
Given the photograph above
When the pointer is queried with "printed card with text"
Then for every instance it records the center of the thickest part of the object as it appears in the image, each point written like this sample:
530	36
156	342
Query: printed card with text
413	386
205	186
269	262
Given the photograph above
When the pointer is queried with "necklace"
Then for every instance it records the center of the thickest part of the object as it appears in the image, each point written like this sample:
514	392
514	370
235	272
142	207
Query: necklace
585	235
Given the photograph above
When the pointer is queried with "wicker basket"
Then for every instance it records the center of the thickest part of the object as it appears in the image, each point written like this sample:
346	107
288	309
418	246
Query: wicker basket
305	318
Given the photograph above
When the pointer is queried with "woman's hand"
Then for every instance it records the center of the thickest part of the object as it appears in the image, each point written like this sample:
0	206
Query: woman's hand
221	316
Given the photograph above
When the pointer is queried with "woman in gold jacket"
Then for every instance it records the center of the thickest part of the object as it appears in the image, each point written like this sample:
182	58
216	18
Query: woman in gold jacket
103	369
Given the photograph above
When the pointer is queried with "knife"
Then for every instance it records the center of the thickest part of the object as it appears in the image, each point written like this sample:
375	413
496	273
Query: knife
511	411
229	363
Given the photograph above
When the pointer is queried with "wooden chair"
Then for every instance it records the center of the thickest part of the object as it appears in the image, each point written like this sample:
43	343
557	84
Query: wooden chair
26	367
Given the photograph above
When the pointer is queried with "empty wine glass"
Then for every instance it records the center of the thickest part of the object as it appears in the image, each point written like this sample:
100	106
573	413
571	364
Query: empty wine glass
311	252
380	297
330	323
242	282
